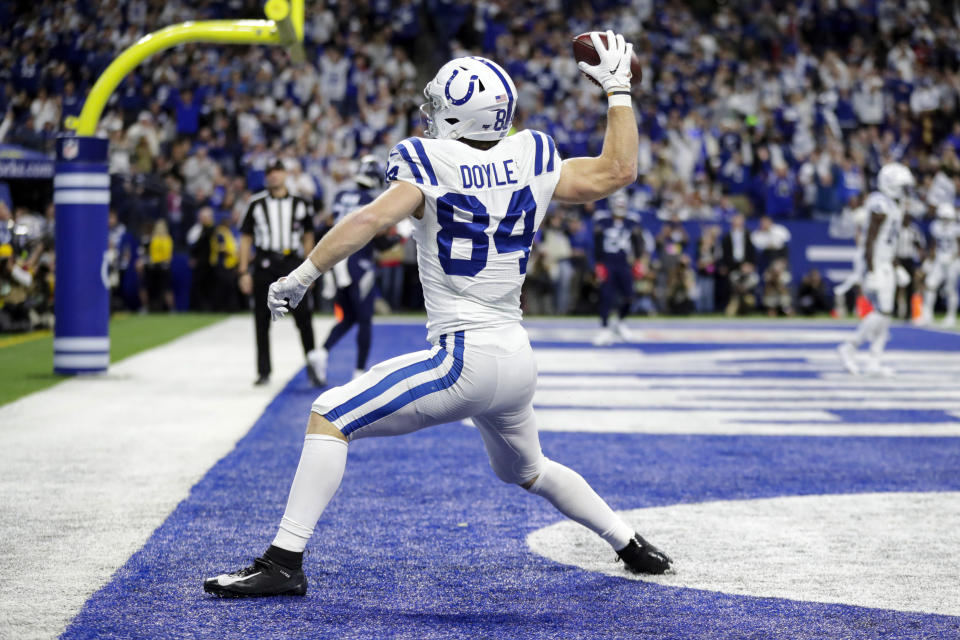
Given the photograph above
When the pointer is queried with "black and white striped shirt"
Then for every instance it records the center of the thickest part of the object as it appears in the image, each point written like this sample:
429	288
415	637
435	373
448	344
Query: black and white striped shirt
278	224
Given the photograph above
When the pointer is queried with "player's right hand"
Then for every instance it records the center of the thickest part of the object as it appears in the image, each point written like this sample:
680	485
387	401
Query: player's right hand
283	295
613	70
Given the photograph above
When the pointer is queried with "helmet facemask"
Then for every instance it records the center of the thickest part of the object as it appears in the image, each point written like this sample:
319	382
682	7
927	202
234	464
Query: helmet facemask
435	124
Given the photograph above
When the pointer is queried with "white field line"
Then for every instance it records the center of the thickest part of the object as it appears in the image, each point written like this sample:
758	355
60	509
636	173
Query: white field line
704	393
702	383
712	335
810	423
684	401
93	465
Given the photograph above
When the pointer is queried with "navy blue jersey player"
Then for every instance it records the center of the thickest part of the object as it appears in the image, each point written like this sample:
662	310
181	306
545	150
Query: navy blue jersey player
354	278
618	243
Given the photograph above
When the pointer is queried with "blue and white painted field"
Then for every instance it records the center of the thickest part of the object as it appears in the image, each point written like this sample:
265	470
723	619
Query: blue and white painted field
796	500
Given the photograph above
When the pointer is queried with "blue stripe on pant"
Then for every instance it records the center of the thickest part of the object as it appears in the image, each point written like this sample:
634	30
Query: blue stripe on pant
406	397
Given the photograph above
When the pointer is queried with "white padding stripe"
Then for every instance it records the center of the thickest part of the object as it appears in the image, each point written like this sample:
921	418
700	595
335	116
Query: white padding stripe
98	343
82	196
81	360
83	180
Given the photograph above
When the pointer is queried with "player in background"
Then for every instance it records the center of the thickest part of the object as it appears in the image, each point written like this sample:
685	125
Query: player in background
618	243
477	197
942	269
860	219
351	281
885	208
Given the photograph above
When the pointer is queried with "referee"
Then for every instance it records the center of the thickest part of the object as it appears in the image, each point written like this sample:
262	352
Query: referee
280	226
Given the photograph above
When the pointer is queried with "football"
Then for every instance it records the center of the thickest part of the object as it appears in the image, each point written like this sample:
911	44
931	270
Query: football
584	50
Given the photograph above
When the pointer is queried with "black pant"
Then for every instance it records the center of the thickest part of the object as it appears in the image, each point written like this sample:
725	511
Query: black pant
356	310
263	277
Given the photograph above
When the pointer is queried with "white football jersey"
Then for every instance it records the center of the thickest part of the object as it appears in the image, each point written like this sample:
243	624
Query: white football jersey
945	234
885	244
481	211
861	223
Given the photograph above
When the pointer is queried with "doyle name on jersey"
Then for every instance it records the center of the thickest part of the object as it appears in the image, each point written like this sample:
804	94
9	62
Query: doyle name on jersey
481	211
485	176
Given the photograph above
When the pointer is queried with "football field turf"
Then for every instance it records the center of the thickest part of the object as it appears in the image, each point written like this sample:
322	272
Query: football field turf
796	500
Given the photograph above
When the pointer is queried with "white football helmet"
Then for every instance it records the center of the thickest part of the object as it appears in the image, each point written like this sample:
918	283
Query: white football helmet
471	98
895	180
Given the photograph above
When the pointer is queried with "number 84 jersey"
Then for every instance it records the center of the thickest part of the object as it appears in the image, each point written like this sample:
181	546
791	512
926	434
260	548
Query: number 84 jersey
481	211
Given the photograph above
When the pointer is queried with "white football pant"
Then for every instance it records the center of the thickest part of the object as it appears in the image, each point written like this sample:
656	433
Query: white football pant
489	375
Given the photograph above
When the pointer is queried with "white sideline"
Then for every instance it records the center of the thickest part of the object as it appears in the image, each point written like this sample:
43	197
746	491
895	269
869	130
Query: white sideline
93	465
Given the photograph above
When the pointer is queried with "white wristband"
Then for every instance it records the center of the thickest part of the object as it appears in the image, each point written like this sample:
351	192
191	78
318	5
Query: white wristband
306	273
619	98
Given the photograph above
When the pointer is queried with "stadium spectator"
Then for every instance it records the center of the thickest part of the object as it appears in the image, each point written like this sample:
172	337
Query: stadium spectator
794	134
681	287
199	239
555	248
813	296
743	290
157	291
777	299
780	192
201	174
709	255
737	268
771	240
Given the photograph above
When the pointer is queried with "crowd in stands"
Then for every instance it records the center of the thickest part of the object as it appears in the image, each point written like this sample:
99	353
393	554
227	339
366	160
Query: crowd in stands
748	109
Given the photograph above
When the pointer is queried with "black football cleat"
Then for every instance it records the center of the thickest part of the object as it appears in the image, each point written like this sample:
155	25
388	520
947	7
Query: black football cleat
263	578
261	380
640	556
314	380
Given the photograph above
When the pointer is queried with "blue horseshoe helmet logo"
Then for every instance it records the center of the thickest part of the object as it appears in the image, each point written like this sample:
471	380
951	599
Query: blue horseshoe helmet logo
466	96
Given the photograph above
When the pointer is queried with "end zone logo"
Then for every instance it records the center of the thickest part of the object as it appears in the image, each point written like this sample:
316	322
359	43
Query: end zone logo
70	149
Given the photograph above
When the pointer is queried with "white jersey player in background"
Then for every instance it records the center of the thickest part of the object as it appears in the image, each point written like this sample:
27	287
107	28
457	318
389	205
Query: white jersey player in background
885	209
478	197
942	269
860	218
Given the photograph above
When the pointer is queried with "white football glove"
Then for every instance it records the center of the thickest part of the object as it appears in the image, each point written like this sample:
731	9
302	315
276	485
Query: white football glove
285	294
613	70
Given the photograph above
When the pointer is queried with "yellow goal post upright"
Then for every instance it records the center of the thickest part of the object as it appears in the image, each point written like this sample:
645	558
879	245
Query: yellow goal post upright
81	184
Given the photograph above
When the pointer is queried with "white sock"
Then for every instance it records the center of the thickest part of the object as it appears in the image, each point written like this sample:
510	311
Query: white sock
867	328
318	476
953	298
929	300
572	496
881	333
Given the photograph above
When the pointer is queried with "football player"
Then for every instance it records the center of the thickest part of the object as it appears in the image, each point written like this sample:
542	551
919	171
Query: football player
353	279
942	269
618	242
477	197
885	209
860	219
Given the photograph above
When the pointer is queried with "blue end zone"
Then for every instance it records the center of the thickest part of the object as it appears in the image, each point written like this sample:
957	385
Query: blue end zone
422	541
